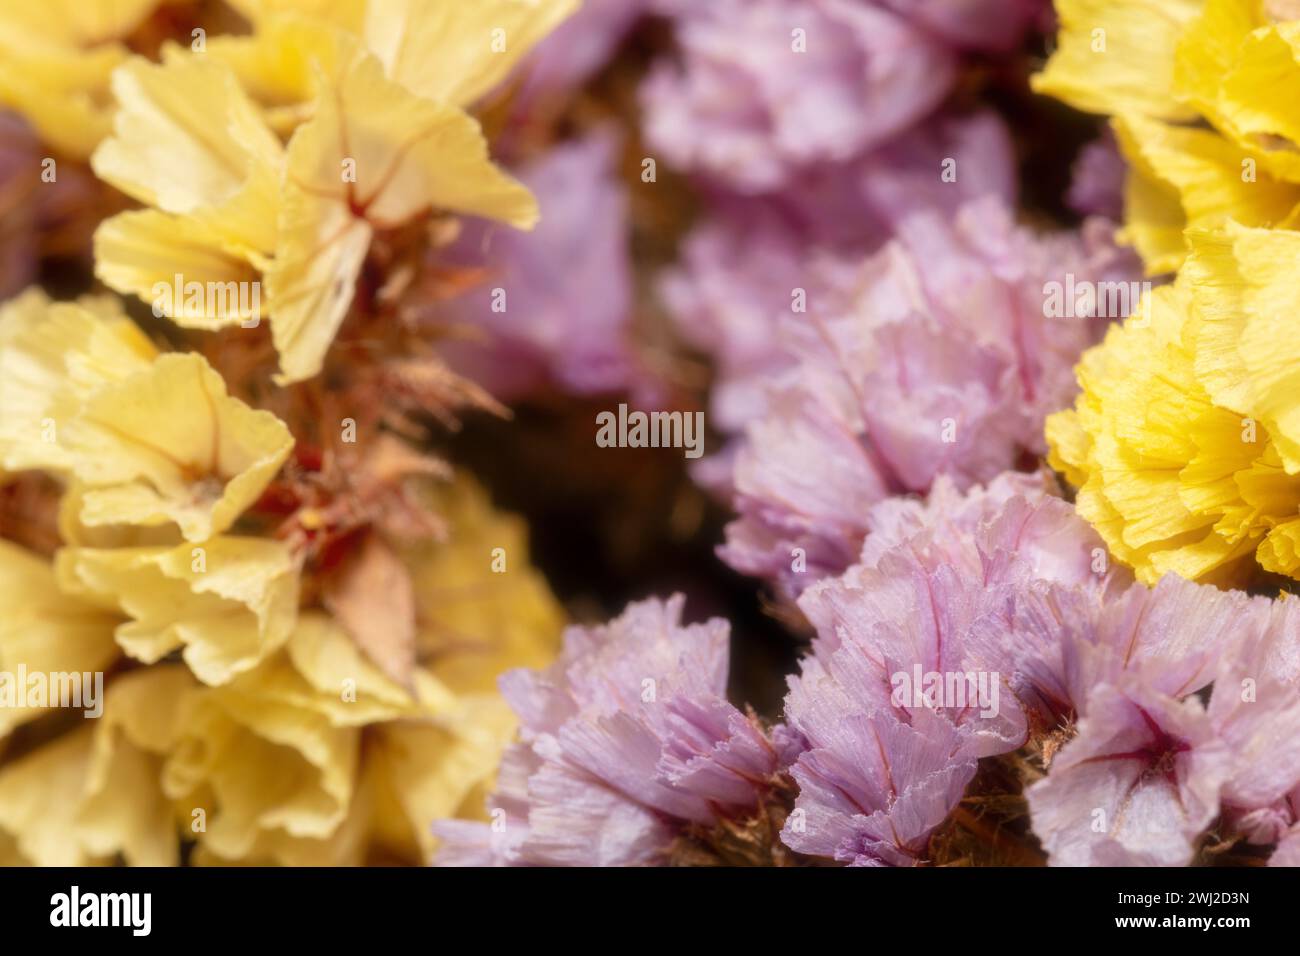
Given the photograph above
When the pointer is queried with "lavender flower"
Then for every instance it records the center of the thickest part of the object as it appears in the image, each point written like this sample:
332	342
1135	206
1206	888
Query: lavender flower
1002	596
740	271
1136	786
627	748
1097	184
765	88
556	308
940	360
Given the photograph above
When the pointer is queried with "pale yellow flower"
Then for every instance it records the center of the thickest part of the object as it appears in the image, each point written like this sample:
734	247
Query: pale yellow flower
55	61
123	809
39	805
52	358
481	608
152	439
377	135
45	631
227	604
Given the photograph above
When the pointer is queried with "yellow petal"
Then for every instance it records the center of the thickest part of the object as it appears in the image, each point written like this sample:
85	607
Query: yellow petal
1208	174
453	51
348	14
474	621
323	671
182	268
1243	283
55	63
260	767
186	138
311	283
432	770
39	795
282	64
124	810
78	23
44	630
1117	56
168	444
52	358
229	603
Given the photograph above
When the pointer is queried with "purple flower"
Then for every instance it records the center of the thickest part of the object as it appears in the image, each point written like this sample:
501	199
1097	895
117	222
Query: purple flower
872	788
578	48
1136	786
1097	185
557	305
741	271
992	617
627	742
765	88
896	702
940	359
994	25
1255	709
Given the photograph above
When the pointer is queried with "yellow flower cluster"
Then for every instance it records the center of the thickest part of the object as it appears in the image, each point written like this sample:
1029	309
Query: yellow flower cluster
263	733
244	720
1185	442
1200	92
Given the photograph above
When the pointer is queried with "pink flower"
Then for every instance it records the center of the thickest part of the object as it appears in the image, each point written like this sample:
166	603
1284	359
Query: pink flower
625	741
765	88
1136	786
556	308
937	356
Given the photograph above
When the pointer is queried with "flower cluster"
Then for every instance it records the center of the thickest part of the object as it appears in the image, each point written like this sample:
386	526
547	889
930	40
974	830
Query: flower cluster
1195	92
297	610
1183	441
630	754
989	558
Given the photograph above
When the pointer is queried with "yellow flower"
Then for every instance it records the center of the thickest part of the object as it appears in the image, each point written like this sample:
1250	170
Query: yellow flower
1184	441
1117	56
478	44
38	809
95	792
291	750
481	608
377	139
123	809
227	604
55	61
1200	95
52	357
1183	177
404	156
43	630
152	439
317	758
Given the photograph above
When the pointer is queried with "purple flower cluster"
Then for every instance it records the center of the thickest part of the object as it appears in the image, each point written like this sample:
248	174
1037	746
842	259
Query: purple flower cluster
1003	595
764	90
555	307
974	625
627	742
934	357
